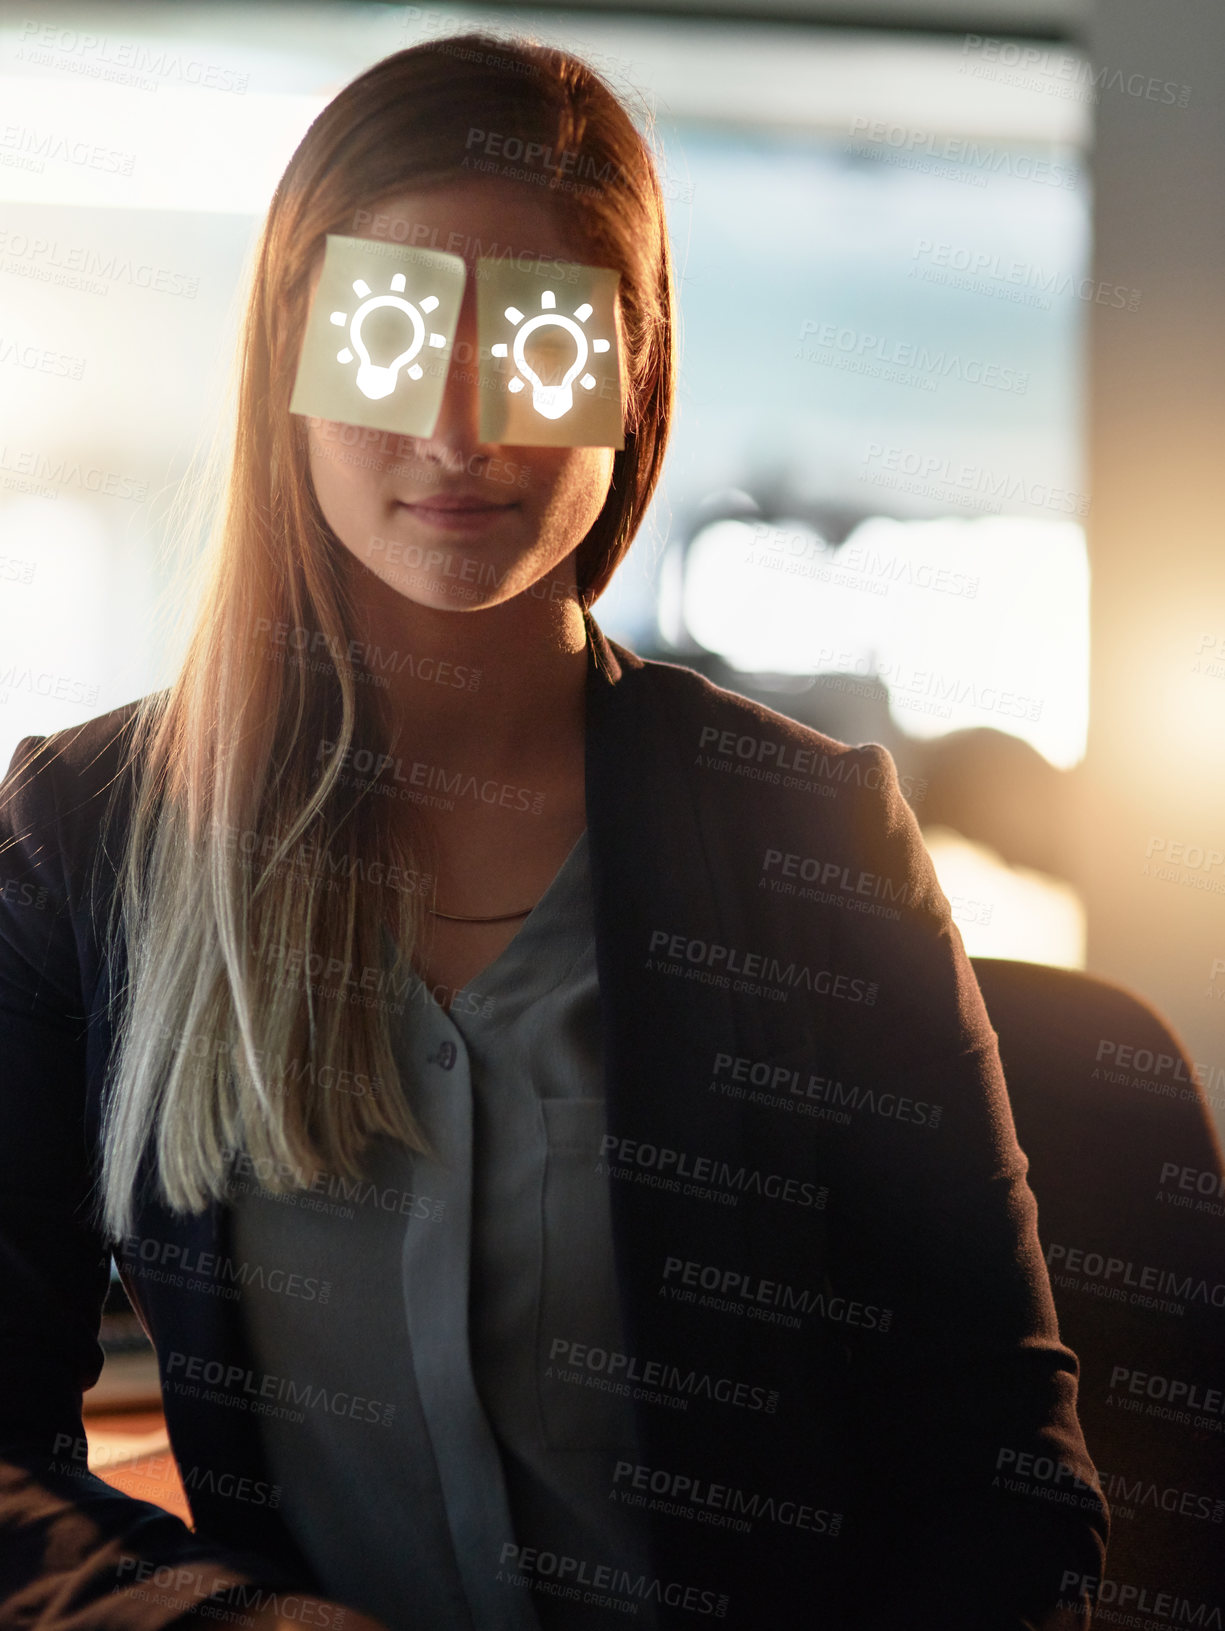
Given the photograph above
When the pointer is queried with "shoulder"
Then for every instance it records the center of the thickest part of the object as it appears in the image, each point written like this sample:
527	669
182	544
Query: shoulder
54	851
804	804
749	744
60	789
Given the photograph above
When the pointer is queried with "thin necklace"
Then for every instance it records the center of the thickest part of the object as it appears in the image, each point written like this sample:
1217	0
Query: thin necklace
455	917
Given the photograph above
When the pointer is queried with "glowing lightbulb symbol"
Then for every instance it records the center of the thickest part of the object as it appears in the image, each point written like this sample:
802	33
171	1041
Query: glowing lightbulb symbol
377	380
550	401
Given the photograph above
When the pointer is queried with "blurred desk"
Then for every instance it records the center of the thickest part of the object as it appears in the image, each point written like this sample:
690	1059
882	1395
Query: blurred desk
125	1429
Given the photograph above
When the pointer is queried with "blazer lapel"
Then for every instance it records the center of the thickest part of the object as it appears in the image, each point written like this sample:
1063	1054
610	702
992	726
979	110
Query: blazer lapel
671	850
651	876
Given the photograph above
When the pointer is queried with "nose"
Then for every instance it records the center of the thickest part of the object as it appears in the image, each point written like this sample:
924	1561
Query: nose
456	440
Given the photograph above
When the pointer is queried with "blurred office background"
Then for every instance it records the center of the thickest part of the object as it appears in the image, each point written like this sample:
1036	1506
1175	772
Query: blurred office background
944	472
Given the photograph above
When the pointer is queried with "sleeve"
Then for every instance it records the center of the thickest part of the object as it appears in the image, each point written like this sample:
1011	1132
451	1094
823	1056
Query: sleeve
75	1553
933	1213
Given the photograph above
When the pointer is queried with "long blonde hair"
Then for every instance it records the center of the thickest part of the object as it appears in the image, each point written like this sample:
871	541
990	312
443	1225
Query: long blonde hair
248	866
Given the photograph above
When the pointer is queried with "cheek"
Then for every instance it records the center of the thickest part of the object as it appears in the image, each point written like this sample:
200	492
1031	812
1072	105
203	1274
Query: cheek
572	488
341	484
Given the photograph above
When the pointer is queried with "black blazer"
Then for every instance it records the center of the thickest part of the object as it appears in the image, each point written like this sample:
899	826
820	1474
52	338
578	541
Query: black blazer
838	1322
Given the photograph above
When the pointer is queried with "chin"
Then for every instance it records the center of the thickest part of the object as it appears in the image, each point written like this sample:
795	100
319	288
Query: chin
440	596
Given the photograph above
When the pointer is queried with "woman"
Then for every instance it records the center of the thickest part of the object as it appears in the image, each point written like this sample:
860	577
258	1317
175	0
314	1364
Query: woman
595	1198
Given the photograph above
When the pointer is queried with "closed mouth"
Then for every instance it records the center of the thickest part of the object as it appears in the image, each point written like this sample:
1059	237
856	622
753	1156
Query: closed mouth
457	504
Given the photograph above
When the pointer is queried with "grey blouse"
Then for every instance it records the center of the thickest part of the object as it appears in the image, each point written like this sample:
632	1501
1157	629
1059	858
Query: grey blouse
436	1450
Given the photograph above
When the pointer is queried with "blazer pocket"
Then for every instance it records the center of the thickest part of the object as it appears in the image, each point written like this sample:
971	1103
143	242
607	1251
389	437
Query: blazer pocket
580	1406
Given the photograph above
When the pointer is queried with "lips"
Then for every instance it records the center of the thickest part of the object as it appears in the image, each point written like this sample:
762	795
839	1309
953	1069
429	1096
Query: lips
455	503
454	511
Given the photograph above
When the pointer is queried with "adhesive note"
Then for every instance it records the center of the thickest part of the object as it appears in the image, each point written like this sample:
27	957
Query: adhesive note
378	342
550	356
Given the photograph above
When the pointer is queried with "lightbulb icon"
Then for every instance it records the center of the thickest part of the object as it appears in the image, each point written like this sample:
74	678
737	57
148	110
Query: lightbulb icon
378	380
551	401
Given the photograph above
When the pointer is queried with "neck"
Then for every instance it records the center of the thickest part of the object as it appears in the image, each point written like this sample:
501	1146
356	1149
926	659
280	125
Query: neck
494	690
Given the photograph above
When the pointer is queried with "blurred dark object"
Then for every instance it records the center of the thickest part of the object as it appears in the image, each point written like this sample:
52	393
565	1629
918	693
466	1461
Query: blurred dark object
1126	1168
992	788
998	790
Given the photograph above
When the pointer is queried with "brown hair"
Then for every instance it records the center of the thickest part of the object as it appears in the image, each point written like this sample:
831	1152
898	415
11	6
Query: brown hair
409	118
244	856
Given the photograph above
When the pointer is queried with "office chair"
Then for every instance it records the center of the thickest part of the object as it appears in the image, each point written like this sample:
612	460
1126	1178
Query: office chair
1126	1168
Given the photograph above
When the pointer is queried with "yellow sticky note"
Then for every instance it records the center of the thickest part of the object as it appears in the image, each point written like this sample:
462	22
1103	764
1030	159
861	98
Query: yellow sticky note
378	342
550	355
